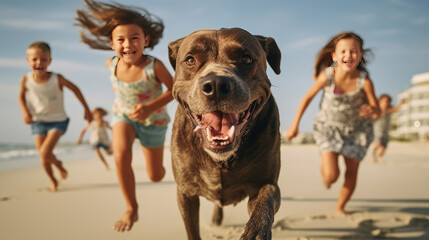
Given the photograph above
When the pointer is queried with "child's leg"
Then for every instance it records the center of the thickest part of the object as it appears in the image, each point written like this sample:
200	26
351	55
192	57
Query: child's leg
329	168
45	145
108	151
123	138
154	167
382	152
377	145
97	150
352	167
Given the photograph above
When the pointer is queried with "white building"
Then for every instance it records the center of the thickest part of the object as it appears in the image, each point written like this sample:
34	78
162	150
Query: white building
412	120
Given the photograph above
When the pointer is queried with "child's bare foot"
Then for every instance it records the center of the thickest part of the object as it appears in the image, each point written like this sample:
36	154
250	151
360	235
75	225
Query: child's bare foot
127	221
343	212
63	173
62	170
54	186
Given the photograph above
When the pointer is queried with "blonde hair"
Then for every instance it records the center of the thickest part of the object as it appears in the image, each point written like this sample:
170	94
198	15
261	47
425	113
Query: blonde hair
43	46
324	59
101	19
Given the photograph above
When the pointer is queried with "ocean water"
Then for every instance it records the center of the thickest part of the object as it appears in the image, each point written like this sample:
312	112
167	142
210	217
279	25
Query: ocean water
14	155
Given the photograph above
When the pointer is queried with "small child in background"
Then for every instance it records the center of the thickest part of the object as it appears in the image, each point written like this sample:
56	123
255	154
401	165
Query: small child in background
137	80
343	125
41	100
381	125
99	137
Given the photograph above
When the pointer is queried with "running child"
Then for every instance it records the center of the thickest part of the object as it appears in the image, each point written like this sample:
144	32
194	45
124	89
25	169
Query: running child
99	137
381	125
343	125
139	106
41	101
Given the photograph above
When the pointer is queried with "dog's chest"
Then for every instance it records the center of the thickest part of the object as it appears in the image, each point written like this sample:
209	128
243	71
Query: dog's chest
217	189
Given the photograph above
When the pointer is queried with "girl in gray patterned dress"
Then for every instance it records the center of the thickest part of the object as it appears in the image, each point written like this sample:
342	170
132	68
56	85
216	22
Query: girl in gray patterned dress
343	125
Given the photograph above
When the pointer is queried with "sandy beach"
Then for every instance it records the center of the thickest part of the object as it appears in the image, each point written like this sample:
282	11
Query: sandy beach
391	201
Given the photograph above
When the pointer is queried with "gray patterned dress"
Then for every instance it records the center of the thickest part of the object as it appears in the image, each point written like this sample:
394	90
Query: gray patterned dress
338	126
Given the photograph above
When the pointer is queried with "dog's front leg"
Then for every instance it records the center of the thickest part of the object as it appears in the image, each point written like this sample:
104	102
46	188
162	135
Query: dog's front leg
189	208
262	208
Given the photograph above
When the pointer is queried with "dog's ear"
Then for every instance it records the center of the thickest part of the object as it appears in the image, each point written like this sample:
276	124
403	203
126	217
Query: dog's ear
173	47
272	51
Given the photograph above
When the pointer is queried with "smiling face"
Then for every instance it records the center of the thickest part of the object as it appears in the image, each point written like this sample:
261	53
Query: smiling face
347	54
221	82
129	41
384	103
38	60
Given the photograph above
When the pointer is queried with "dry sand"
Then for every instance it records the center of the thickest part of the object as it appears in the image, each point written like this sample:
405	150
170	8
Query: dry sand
391	201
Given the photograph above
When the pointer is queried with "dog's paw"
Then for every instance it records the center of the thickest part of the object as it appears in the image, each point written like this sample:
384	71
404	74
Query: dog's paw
257	229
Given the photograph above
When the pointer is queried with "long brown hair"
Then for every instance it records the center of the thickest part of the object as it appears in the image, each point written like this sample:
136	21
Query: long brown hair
102	18
324	59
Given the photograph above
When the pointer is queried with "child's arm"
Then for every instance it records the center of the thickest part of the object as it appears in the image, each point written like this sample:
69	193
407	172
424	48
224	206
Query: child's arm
319	84
108	125
76	91
142	111
397	107
371	109
23	103
79	140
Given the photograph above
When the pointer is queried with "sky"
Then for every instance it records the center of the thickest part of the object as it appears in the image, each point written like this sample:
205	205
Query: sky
396	31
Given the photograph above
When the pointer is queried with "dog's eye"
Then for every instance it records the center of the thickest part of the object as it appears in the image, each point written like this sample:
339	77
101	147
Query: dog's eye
246	59
190	61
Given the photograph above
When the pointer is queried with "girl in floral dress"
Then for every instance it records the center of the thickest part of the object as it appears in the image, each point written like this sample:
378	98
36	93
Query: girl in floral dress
139	106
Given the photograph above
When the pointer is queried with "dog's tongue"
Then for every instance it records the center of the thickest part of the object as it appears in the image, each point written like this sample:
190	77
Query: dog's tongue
221	124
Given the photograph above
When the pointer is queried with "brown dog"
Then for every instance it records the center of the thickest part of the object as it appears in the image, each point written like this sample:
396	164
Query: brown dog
226	141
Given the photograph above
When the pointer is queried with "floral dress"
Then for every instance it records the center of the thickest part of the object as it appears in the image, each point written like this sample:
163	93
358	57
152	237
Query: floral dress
129	94
338	126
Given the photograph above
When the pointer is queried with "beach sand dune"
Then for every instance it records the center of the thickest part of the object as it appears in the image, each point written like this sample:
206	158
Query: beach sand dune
391	201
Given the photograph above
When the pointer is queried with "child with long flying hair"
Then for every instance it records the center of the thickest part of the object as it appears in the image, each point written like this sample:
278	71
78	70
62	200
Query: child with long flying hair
139	106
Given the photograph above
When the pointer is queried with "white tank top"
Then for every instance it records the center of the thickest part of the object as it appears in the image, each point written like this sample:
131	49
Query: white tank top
45	101
99	133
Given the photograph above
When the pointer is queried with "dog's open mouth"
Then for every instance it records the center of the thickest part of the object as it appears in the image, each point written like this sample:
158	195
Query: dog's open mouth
219	128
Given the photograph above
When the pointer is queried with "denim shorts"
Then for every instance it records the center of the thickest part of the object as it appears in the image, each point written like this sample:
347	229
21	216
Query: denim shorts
101	145
383	140
150	136
42	128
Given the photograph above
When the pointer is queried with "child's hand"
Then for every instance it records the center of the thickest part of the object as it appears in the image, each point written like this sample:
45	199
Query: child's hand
140	113
291	133
367	111
28	119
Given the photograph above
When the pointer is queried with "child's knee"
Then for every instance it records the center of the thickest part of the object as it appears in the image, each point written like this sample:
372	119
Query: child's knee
45	156
330	177
122	156
156	176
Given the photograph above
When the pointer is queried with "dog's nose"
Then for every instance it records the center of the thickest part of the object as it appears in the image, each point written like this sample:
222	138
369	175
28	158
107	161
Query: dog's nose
216	87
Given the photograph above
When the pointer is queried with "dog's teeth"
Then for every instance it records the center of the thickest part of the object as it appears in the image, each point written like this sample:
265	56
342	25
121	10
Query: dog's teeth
197	128
231	132
209	134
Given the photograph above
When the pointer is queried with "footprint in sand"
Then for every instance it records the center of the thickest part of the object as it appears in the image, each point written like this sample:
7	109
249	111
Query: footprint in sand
3	199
